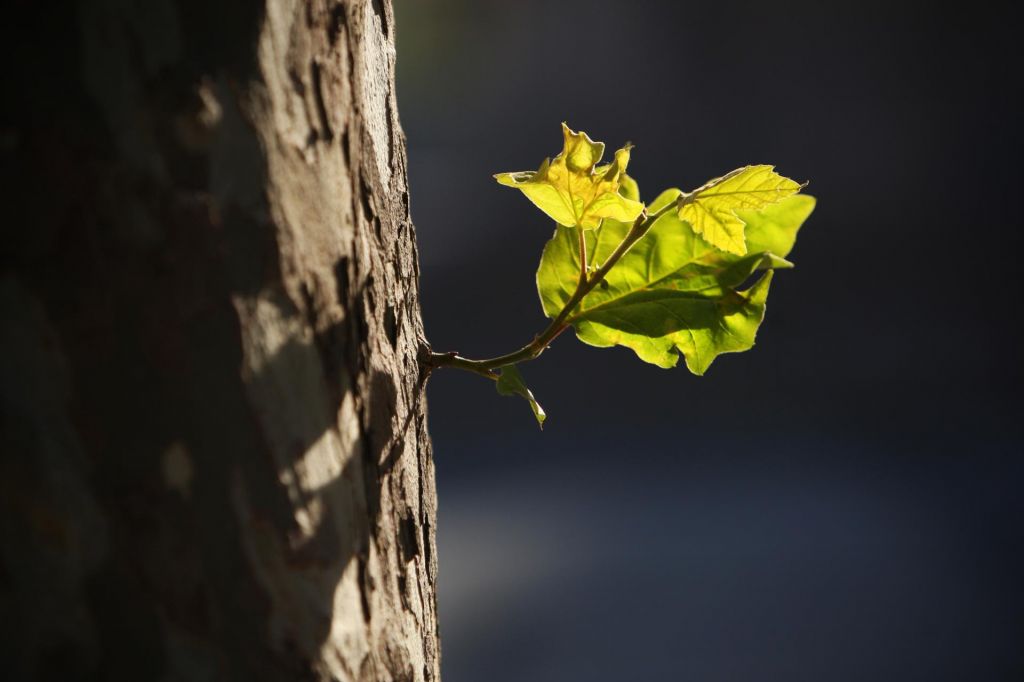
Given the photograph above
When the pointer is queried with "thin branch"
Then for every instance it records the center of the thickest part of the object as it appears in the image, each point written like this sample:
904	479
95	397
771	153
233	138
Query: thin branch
486	368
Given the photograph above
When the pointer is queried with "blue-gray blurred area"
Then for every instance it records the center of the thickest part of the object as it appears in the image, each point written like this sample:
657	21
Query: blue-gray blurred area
841	503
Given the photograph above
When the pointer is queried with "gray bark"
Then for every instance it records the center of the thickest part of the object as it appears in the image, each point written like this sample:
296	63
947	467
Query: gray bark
215	459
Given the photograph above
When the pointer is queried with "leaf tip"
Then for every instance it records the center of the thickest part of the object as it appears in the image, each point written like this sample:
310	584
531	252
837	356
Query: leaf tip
698	366
510	382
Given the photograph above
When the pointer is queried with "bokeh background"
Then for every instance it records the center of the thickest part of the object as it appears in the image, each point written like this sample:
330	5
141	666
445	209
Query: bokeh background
841	503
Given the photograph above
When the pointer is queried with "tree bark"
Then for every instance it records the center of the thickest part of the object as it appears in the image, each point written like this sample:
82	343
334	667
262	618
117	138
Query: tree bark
215	459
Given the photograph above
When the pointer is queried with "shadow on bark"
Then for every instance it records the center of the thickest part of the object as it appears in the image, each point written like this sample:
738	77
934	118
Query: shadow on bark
128	429
153	525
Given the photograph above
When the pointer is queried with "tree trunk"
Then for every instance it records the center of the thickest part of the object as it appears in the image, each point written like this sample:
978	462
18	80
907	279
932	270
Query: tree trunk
215	459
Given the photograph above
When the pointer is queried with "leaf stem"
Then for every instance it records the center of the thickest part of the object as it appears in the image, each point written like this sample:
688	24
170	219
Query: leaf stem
583	258
431	360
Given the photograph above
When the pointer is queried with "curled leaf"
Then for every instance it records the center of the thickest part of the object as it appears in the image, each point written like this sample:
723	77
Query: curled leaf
573	190
510	382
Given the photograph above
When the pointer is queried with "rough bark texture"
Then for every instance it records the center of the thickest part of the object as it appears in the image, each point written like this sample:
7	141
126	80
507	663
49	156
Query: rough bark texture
215	460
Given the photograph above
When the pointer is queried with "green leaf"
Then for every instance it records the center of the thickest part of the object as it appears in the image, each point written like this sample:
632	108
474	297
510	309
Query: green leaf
671	292
711	209
510	382
629	189
664	199
775	227
655	324
573	190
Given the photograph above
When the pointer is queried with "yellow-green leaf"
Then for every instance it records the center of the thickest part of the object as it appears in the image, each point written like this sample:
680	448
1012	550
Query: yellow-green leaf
658	323
711	210
774	228
573	189
510	382
672	293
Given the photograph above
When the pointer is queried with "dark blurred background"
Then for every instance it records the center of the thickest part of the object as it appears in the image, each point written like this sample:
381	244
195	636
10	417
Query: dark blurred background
841	503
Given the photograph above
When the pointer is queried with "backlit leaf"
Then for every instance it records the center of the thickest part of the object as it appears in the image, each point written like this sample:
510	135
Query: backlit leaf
711	210
672	292
510	382
774	228
657	323
573	189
